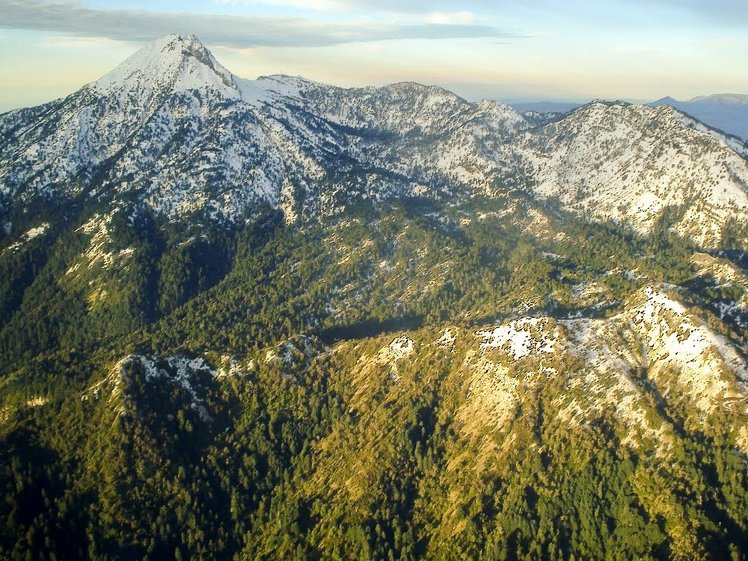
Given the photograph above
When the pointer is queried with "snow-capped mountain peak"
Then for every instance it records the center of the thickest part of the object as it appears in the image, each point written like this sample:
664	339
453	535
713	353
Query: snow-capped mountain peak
173	128
175	63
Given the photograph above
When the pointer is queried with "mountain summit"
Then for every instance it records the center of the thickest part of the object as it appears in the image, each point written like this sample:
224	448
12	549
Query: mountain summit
173	130
175	62
727	112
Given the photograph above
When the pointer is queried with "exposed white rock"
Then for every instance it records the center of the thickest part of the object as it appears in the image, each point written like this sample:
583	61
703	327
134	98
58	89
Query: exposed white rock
521	337
178	369
100	252
447	339
399	348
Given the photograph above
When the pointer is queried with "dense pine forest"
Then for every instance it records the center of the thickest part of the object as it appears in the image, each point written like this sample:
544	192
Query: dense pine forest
188	390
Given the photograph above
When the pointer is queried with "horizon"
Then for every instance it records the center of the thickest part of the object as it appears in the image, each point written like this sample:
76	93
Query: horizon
627	50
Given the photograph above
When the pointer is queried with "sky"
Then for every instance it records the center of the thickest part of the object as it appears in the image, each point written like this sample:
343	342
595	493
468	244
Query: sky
510	50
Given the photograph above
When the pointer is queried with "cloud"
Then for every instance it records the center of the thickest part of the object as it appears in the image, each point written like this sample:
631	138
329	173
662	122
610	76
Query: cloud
392	6
76	19
730	13
307	5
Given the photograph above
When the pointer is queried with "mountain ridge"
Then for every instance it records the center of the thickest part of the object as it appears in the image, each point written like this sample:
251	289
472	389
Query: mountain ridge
278	140
724	112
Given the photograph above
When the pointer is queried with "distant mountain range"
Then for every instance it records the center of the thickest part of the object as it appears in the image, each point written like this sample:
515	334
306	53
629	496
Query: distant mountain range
726	112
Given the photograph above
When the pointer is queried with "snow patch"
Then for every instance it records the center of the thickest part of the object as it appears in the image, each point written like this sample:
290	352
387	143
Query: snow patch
447	339
520	337
400	347
178	369
27	236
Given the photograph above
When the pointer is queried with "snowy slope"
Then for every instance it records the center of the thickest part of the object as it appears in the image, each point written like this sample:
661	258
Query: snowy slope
169	123
628	162
653	352
176	128
172	128
726	112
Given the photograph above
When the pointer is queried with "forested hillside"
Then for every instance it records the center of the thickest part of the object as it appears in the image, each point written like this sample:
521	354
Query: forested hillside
275	319
494	380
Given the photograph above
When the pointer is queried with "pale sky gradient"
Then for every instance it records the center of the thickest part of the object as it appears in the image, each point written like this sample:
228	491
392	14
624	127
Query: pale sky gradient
511	50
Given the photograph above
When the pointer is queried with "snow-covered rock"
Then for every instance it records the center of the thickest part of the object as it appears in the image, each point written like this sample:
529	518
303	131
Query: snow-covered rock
175	130
654	353
629	162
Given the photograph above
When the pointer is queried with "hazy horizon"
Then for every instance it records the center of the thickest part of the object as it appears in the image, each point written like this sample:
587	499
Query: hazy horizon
551	51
